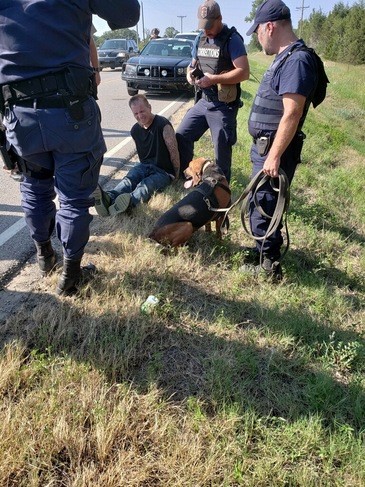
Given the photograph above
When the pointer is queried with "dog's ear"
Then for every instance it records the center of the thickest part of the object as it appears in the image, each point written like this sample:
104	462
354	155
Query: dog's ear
194	171
197	177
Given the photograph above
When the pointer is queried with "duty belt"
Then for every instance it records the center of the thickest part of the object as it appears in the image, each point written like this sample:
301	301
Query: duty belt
209	98
52	101
36	87
72	83
264	142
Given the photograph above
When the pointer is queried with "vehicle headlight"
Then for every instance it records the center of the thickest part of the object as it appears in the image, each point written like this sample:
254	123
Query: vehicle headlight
163	72
146	72
130	69
121	54
182	71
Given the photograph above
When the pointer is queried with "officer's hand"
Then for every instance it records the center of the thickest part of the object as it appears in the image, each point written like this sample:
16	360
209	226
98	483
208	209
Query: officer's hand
97	78
271	166
191	79
206	81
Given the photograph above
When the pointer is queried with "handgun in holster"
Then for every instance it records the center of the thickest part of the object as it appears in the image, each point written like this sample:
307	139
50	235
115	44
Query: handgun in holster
263	145
8	158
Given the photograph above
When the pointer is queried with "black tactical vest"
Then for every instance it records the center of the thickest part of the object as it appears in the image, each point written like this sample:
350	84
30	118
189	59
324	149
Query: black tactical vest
267	108
215	59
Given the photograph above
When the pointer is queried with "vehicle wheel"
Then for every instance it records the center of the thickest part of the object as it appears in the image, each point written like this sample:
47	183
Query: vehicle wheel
112	66
132	91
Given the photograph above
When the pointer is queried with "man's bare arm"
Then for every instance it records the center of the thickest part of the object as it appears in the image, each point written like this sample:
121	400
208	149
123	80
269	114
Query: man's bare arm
241	72
171	144
94	61
293	110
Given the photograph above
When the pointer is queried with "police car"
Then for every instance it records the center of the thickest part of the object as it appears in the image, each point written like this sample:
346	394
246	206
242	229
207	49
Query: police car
161	67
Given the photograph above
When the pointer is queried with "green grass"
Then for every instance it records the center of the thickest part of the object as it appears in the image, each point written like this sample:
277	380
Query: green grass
231	381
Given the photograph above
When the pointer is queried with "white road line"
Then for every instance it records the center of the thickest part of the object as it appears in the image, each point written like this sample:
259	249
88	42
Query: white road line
20	224
11	231
116	148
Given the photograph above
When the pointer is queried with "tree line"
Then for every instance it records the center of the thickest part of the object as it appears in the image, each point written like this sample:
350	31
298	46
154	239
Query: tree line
338	36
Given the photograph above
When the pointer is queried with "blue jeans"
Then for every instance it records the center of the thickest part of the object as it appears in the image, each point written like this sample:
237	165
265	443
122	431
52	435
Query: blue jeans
141	182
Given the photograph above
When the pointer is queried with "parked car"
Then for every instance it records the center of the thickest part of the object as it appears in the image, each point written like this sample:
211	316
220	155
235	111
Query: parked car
187	35
114	52
161	67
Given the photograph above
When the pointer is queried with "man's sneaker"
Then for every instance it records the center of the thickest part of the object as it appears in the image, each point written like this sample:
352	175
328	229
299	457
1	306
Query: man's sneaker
120	204
102	201
269	268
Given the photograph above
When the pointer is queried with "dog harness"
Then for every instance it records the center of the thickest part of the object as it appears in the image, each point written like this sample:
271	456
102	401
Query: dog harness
195	206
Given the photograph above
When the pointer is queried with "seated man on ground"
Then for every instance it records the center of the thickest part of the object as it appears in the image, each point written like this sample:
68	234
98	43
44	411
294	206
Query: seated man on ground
159	163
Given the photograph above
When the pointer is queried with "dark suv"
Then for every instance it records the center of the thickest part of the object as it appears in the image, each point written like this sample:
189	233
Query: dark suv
114	52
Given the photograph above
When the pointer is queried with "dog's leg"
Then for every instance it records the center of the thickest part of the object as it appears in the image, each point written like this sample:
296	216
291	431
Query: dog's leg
208	227
174	234
218	227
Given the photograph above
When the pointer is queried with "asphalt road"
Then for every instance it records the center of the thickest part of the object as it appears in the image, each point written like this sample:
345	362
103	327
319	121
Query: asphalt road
15	243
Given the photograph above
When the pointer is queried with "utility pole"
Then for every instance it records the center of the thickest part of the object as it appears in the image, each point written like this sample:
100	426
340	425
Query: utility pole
137	35
301	17
181	21
142	21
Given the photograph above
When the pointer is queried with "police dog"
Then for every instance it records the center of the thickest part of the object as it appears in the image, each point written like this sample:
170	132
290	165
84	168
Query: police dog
210	192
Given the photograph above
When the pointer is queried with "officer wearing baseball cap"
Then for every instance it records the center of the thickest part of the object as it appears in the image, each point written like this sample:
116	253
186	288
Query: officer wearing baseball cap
218	66
269	11
208	12
275	123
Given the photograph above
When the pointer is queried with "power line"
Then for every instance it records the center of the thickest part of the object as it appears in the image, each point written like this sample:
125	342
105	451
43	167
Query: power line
302	8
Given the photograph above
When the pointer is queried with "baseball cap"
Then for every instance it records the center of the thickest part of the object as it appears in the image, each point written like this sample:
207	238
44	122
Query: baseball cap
270	10
208	12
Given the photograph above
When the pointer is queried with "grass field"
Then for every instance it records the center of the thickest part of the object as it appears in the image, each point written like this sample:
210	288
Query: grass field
231	381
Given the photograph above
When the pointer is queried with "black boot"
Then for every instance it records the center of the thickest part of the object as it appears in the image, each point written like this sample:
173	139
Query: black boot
73	276
46	257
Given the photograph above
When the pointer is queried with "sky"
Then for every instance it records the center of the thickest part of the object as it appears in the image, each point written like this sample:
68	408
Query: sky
165	13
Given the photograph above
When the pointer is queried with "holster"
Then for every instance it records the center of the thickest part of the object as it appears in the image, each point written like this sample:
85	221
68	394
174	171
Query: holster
197	95
227	93
78	81
263	145
7	158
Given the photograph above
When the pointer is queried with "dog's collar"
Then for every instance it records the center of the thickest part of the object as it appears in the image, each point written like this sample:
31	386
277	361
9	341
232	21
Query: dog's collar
207	163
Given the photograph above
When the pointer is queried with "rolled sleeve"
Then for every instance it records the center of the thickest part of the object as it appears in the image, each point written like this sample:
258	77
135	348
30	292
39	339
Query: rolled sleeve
118	13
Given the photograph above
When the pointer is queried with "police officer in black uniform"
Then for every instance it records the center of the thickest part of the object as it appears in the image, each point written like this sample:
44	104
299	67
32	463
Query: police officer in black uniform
278	112
52	120
218	66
